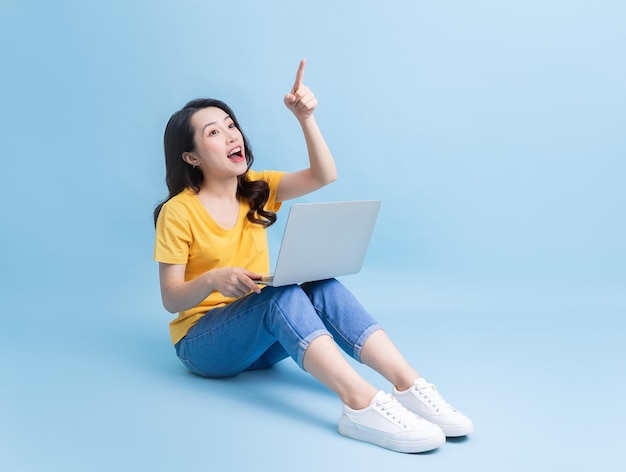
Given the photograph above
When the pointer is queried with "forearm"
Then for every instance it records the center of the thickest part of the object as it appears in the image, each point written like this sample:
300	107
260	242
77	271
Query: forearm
181	296
322	163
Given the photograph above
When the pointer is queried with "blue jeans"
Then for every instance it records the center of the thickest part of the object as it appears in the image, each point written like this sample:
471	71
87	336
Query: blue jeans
259	330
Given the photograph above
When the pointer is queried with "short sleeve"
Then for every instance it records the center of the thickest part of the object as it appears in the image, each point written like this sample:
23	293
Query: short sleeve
173	237
273	178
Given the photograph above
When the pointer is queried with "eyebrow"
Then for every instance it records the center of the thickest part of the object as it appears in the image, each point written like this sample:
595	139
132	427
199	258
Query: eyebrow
213	123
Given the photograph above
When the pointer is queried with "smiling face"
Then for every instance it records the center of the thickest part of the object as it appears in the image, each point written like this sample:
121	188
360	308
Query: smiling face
219	145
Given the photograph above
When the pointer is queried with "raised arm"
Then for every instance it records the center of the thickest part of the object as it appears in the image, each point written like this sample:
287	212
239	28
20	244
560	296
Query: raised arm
321	170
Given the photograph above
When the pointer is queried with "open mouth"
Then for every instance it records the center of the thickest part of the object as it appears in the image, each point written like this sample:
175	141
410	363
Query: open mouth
236	154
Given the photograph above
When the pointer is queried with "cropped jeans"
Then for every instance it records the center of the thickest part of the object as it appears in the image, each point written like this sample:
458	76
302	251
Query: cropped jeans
259	330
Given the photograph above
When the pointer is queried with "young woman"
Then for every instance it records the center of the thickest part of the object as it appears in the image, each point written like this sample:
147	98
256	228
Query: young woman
212	249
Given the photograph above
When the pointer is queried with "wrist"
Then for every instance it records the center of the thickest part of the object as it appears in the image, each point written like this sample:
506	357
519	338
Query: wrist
307	121
210	280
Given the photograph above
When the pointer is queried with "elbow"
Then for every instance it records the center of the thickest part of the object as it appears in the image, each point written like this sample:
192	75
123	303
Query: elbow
331	177
167	304
170	309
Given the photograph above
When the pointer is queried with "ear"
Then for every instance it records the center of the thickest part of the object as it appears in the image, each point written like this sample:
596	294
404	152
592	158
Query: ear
190	159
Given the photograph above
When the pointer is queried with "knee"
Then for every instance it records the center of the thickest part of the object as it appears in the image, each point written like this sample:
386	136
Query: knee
323	286
289	300
325	291
286	293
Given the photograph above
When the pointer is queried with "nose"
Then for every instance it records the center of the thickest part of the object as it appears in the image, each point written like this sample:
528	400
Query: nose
231	138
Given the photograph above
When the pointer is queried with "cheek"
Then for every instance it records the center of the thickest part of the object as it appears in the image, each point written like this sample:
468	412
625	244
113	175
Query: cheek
208	146
240	137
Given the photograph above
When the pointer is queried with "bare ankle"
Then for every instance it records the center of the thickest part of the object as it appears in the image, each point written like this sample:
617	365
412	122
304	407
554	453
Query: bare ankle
407	383
359	400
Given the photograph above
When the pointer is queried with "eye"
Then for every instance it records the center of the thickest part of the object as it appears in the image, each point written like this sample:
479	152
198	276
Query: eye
231	126
213	132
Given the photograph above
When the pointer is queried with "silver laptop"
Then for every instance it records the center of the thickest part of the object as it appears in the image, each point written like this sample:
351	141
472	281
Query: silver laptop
324	240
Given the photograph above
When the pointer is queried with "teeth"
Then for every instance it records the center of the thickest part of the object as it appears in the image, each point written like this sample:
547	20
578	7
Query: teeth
238	149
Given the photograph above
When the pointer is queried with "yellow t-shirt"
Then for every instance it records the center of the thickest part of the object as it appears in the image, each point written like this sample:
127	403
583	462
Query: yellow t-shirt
187	234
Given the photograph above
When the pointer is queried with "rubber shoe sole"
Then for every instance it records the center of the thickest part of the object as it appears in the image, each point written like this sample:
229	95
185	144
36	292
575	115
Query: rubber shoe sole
348	429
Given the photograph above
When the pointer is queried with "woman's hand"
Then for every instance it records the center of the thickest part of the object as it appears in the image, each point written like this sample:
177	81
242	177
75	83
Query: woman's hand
234	282
301	100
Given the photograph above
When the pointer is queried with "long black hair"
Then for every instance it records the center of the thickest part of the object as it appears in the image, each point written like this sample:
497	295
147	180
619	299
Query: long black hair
179	175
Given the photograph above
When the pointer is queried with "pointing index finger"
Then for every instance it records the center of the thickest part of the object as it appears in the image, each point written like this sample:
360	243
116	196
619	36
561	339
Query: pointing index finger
299	76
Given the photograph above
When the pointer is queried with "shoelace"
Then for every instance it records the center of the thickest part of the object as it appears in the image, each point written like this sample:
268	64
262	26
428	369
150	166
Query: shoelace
432	396
394	409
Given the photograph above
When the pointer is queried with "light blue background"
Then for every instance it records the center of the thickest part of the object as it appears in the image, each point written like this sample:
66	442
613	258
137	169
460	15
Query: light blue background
494	134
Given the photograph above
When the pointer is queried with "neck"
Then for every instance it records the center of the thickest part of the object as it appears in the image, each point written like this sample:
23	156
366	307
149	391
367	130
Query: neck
220	188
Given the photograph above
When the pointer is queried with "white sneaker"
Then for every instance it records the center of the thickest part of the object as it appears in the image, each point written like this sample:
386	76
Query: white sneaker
386	423
424	400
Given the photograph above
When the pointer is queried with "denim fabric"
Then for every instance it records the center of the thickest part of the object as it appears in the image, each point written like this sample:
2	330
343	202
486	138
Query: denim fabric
259	330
